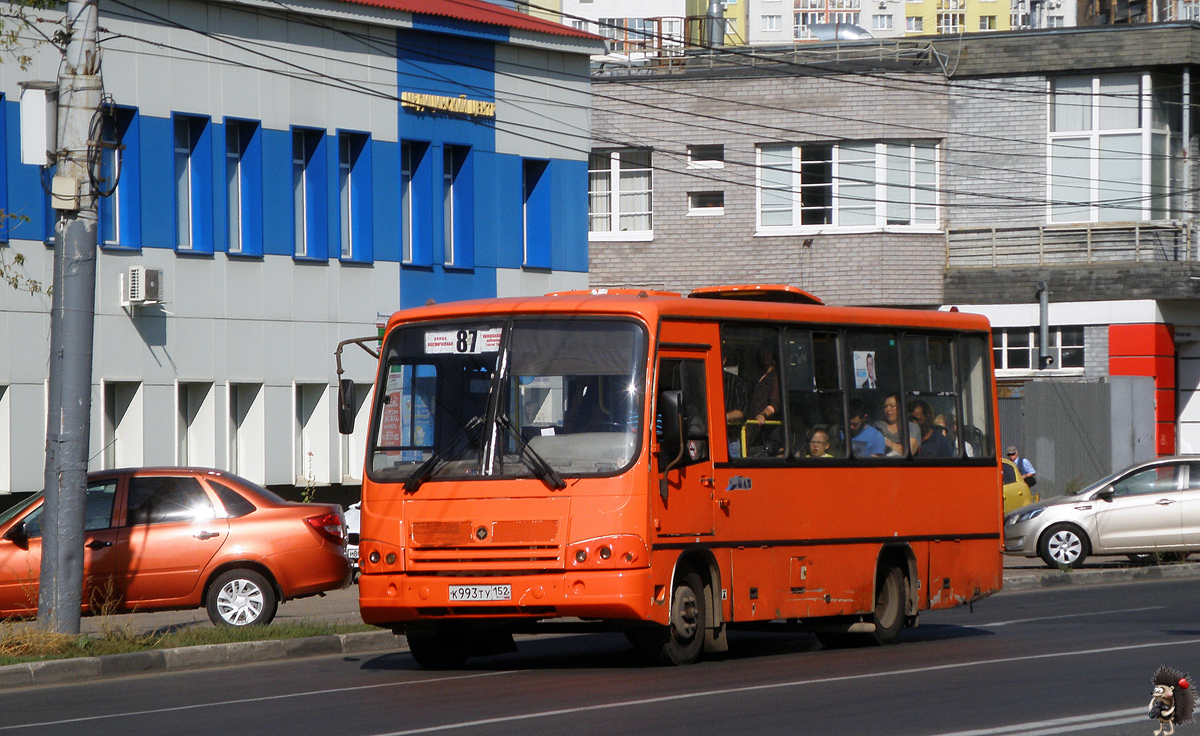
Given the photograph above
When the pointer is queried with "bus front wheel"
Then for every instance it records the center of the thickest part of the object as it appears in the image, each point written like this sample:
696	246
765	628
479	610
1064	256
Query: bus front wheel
889	606
438	648
682	640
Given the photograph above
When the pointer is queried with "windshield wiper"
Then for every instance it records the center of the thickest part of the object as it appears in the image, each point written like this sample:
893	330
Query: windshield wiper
425	470
537	464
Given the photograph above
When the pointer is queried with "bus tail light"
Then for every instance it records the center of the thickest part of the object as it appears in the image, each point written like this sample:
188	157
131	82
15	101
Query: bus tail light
620	550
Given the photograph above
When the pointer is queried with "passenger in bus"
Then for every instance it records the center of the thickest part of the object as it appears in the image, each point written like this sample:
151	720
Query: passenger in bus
735	407
933	440
764	403
949	424
818	443
889	427
864	439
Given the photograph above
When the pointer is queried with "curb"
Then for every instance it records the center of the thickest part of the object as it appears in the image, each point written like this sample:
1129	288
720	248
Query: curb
1069	578
80	669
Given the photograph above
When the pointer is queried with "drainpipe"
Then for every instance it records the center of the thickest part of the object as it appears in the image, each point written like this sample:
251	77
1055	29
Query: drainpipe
1045	359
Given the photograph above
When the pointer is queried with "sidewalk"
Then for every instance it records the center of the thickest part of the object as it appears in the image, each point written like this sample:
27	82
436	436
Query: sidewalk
1030	573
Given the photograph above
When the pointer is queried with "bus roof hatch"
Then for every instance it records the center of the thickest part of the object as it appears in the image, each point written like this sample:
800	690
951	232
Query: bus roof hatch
757	292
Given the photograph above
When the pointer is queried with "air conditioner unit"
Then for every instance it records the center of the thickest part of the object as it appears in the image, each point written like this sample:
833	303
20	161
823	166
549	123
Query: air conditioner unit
141	286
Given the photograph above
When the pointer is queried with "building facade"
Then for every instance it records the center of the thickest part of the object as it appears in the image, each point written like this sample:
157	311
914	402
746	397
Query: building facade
292	174
951	171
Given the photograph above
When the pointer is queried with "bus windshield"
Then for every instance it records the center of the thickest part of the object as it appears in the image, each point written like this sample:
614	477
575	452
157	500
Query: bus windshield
474	399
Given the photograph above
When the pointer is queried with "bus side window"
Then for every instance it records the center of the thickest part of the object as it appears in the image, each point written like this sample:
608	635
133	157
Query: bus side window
814	394
687	376
930	399
974	375
751	355
874	367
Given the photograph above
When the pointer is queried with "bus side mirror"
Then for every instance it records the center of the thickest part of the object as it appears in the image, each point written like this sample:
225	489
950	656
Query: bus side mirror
346	406
671	418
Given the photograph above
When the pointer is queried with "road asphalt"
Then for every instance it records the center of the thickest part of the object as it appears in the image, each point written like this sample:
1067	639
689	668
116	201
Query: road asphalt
341	606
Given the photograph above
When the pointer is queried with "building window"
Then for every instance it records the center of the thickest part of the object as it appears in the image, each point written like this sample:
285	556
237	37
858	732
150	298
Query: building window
987	22
305	184
706	203
536	213
456	216
235	149
852	184
881	22
1106	134
706	157
772	22
121	433
1017	348
406	202
193	172
118	179
627	174
1189	10
819	12
951	17
914	24
354	195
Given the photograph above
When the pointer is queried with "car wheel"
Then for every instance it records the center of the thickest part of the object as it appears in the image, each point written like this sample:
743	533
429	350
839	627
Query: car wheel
1063	545
1143	558
682	640
241	598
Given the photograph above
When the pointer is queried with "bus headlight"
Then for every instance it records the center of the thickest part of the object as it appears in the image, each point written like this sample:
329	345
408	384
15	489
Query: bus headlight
617	551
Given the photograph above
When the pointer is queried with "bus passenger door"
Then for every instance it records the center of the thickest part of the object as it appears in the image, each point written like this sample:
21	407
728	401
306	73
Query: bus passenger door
687	509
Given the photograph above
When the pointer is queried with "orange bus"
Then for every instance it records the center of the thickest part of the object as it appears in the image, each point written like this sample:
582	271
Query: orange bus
673	466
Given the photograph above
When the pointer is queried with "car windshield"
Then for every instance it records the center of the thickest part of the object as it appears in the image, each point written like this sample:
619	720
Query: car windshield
488	398
1100	483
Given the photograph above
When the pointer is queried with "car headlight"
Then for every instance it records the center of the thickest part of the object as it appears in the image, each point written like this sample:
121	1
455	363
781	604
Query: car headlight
1020	516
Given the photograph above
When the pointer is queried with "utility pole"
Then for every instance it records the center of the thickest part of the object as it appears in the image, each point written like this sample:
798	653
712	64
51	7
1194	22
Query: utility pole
72	318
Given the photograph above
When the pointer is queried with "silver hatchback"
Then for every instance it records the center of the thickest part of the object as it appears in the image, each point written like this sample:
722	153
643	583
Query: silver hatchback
1150	508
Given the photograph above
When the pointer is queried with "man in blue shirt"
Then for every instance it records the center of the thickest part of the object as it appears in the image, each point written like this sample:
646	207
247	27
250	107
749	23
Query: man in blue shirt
865	439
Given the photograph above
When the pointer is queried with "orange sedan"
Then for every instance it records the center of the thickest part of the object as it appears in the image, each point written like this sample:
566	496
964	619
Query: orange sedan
177	538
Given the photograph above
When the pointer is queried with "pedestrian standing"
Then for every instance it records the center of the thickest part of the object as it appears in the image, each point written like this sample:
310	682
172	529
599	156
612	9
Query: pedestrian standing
1024	467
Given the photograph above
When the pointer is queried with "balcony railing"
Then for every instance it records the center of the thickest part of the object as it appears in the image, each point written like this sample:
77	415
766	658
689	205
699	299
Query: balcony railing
1061	245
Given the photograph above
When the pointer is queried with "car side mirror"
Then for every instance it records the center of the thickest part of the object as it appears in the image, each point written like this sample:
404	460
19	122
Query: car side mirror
346	406
1105	494
17	534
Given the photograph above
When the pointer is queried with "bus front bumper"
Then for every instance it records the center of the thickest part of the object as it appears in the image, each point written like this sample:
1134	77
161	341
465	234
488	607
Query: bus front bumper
391	598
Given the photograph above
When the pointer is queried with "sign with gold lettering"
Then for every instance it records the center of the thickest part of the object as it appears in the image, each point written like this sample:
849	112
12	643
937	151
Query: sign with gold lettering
420	102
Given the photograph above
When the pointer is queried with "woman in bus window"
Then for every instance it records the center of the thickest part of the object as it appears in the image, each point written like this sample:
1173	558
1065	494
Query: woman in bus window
764	403
889	426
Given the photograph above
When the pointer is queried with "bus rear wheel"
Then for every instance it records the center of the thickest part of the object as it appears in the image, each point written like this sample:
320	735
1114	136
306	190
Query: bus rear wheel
438	648
682	641
889	606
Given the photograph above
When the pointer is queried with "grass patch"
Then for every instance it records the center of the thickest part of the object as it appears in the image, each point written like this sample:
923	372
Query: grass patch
25	643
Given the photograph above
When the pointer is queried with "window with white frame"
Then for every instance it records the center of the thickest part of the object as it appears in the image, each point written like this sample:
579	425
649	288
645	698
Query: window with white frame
620	193
1056	21
706	203
1018	348
406	202
235	149
1189	10
914	24
818	12
1116	152
187	133
711	156
987	22
881	22
772	22
951	16
865	184
303	147
353	193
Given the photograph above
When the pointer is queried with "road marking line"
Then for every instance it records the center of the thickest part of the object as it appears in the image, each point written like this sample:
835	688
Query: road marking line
264	698
1058	725
773	686
1066	615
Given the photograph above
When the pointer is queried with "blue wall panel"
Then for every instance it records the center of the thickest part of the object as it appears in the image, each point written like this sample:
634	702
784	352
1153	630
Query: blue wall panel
505	194
385	191
277	192
568	226
536	209
419	285
158	186
25	196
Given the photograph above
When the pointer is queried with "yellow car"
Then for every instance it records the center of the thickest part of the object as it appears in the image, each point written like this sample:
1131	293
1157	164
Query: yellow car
1016	491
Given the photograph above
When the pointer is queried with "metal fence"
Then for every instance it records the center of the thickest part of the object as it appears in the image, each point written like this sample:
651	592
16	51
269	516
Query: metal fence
1047	245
